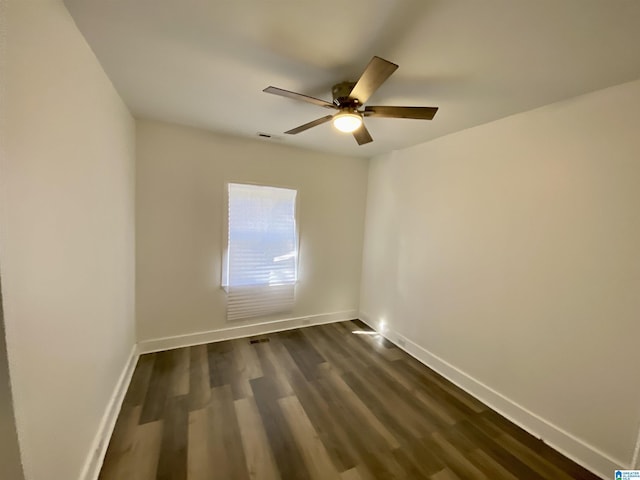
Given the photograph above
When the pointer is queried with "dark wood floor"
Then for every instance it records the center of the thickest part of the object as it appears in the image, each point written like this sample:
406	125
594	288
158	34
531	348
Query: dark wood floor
314	403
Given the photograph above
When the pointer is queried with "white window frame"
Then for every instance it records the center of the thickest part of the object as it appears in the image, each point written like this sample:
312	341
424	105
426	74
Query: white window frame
225	230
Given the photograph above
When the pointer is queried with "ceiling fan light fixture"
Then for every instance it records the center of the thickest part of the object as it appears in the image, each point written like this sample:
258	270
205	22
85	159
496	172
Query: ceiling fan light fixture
347	122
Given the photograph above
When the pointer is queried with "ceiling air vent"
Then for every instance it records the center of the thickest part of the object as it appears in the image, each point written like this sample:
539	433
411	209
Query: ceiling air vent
268	136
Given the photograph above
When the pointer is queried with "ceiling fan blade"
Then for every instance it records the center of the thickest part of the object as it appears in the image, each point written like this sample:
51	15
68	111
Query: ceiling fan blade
373	76
299	96
418	113
309	125
362	135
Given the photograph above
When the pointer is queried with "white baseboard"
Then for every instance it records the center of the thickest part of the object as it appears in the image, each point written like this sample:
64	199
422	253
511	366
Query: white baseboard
199	338
98	450
564	442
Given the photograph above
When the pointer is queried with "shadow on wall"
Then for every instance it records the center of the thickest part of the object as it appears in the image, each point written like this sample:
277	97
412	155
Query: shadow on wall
10	464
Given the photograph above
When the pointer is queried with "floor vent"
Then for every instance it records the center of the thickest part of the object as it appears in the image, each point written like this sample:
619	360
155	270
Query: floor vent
258	340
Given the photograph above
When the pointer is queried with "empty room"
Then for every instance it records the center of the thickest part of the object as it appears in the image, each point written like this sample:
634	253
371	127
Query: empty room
303	239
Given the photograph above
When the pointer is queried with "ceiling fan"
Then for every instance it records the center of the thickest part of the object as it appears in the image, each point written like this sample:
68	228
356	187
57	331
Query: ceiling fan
349	97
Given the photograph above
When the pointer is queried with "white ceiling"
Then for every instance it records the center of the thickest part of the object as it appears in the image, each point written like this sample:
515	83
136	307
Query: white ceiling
205	63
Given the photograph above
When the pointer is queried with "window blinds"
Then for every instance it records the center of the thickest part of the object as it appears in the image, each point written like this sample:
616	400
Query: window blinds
262	257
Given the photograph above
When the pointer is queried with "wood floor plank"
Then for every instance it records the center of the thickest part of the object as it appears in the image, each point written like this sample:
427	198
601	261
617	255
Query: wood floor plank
425	387
531	458
220	357
536	445
224	369
356	426
240	387
245	366
225	439
489	466
445	474
141	458
455	459
384	465
172	463
145	455
322	336
357	325
351	474
355	405
456	392
430	396
303	353
340	442
283	445
285	363
373	359
180	371
353	344
377	342
412	468
313	452
246	359
473	452
199	387
376	404
158	391
415	455
386	405
498	453
140	380
335	354
260	462
268	362
200	460
270	367
414	408
122	441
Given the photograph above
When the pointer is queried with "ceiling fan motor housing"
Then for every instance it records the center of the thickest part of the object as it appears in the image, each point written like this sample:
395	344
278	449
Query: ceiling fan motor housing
341	93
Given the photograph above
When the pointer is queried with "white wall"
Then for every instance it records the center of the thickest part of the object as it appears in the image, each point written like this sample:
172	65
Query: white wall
67	237
180	192
510	252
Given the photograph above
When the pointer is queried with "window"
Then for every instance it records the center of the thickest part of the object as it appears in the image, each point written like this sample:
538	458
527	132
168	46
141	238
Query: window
261	264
